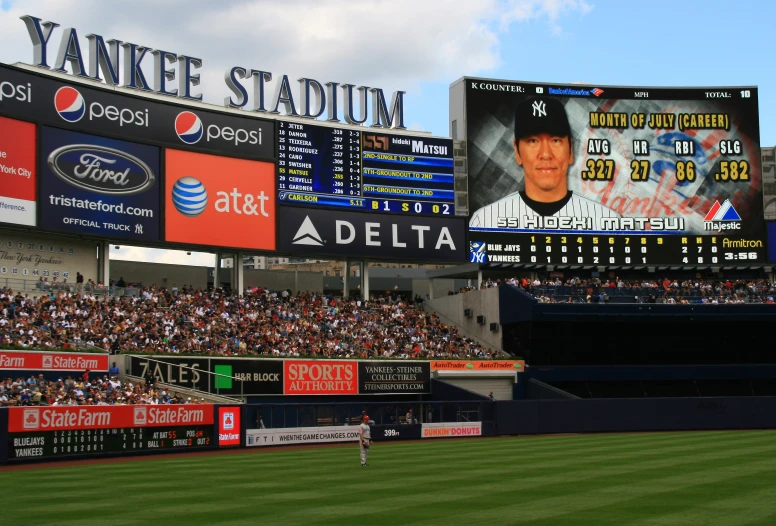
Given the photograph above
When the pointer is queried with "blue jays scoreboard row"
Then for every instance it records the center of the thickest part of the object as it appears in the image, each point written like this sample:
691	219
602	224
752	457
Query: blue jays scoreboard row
612	176
328	167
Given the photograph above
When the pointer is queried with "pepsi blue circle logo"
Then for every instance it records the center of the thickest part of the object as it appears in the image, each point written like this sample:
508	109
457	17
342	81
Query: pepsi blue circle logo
188	127
70	104
189	196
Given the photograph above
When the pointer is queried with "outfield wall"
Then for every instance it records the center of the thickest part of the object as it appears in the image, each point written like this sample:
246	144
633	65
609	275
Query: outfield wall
634	414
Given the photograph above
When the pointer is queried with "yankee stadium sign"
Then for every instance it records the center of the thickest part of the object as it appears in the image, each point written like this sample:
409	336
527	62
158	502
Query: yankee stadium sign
313	98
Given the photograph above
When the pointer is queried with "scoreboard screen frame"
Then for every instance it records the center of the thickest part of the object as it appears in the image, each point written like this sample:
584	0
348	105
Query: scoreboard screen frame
705	219
337	167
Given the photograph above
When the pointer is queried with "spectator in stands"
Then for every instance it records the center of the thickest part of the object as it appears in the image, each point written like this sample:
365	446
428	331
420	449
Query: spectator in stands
114	370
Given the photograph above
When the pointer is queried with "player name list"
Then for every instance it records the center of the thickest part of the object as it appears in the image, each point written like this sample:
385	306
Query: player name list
318	160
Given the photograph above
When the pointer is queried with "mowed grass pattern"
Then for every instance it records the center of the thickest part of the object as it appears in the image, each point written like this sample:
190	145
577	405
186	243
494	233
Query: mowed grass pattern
645	479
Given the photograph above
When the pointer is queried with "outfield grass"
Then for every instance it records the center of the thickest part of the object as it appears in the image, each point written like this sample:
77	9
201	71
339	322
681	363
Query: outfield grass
650	479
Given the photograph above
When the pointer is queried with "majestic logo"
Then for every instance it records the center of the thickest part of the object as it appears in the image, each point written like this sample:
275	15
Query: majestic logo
477	252
101	169
539	109
188	127
723	212
597	92
722	217
48	362
31	419
228	420
69	104
189	196
140	416
307	234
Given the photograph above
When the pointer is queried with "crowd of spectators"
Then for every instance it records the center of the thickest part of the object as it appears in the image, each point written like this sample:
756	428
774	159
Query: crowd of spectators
86	389
670	291
261	322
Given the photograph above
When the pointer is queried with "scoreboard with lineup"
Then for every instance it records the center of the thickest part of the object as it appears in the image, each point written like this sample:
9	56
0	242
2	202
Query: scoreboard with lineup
329	167
666	176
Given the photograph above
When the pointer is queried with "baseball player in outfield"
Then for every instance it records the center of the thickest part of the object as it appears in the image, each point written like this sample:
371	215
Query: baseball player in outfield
543	148
365	437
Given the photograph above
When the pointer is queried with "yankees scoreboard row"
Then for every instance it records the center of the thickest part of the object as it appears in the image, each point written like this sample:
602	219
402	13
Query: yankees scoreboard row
570	174
320	166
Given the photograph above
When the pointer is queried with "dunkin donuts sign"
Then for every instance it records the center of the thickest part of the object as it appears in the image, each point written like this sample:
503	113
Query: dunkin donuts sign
320	377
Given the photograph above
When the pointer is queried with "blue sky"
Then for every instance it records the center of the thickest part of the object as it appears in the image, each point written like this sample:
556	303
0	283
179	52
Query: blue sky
656	43
422	46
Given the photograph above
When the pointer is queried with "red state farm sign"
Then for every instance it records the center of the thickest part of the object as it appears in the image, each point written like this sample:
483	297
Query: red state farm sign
49	361
317	377
228	426
63	418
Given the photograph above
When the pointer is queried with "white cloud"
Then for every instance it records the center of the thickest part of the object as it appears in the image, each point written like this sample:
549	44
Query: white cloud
390	44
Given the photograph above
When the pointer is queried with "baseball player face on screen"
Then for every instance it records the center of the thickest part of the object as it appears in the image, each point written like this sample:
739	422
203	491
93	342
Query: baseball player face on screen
543	147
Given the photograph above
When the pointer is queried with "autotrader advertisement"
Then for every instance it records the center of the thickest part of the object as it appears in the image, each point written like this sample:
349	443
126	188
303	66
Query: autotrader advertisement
98	186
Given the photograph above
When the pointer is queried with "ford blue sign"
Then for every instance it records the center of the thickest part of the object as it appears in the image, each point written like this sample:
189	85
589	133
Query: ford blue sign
97	186
101	169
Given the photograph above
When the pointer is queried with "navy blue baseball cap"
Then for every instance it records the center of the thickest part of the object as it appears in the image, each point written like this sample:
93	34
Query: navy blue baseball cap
541	115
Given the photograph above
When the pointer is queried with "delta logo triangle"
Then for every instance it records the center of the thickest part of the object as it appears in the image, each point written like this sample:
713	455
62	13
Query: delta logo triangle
307	234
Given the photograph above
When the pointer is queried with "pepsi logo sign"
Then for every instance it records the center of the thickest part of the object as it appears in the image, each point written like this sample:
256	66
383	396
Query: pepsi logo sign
69	104
188	127
101	169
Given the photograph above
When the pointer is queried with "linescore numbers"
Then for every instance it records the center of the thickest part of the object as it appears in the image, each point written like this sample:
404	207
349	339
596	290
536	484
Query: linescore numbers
604	169
542	249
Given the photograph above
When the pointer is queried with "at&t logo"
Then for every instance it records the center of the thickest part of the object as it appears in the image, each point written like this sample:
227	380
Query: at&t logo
190	198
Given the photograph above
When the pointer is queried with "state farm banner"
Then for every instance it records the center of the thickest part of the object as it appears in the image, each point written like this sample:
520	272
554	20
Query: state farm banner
66	418
394	377
452	430
52	361
300	435
478	365
320	377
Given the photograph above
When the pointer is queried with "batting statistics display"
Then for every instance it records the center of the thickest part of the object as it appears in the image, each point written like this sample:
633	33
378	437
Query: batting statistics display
613	175
339	168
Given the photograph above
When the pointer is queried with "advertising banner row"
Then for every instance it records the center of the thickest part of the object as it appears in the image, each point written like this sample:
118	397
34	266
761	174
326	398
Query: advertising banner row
251	376
318	435
97	163
53	361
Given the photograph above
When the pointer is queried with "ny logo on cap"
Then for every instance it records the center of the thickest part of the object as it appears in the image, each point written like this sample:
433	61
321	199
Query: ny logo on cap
539	109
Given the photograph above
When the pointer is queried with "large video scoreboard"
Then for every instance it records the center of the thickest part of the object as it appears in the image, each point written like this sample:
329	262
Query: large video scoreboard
613	176
321	166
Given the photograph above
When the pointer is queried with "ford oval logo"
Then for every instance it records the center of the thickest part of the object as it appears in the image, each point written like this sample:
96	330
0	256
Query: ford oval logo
101	169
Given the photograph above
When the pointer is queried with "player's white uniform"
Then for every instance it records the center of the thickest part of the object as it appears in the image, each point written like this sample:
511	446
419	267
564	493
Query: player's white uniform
366	438
513	206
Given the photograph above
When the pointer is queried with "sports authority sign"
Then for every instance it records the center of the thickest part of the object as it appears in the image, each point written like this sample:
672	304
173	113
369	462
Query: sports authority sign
47	361
320	377
300	435
67	418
